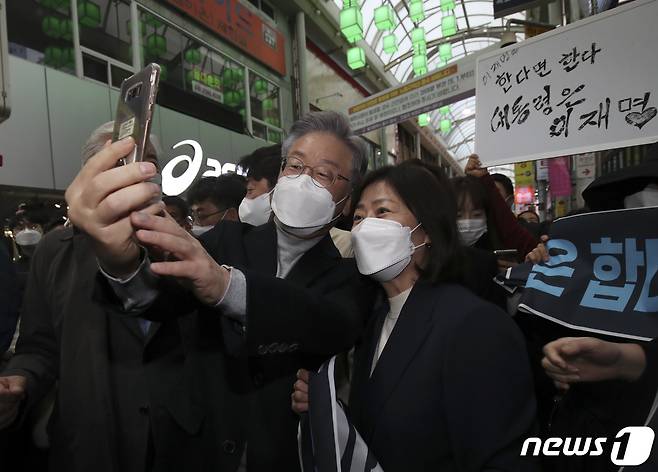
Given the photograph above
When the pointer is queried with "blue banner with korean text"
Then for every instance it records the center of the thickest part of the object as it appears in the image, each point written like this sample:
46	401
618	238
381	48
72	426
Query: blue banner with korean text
601	276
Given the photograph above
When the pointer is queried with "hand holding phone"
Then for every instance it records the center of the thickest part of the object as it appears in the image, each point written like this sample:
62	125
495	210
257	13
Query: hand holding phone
135	110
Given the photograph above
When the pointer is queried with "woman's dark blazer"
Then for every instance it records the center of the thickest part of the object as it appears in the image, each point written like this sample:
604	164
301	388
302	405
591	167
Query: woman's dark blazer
452	390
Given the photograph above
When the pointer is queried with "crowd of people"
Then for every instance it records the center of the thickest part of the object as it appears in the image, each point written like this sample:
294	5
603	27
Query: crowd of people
161	334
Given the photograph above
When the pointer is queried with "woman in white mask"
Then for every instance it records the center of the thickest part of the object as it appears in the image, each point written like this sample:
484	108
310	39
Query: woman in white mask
441	379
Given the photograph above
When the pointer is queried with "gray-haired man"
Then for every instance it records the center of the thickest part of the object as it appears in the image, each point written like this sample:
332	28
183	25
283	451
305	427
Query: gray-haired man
271	299
127	392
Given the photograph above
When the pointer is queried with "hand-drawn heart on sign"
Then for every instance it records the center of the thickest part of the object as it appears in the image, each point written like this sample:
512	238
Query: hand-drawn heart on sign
641	119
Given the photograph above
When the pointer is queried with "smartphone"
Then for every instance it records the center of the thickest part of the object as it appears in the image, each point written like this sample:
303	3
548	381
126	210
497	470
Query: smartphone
506	254
135	110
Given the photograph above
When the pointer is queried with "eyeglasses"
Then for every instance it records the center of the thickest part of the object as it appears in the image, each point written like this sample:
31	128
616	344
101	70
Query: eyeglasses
323	176
199	217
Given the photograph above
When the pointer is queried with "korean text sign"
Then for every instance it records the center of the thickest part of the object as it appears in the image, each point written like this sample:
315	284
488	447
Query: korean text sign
586	87
602	274
237	23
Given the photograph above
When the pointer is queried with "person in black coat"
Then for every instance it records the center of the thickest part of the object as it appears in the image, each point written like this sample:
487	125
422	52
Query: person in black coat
269	299
131	395
9	300
441	378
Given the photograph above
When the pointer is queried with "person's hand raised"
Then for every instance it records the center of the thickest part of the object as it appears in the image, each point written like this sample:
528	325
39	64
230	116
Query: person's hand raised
474	167
101	198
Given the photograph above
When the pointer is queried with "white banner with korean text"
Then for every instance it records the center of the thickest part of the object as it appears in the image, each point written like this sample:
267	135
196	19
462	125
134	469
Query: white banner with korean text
585	87
431	91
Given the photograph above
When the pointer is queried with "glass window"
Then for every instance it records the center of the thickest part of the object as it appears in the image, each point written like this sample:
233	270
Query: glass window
42	32
105	28
190	66
264	100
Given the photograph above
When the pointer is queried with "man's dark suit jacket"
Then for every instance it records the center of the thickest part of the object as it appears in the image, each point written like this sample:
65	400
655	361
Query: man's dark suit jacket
318	310
452	390
114	384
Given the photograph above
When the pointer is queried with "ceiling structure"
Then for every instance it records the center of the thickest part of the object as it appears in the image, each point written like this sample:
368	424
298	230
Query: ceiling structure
476	29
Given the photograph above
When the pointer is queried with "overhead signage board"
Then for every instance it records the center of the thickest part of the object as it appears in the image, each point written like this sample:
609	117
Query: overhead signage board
236	23
433	90
585	87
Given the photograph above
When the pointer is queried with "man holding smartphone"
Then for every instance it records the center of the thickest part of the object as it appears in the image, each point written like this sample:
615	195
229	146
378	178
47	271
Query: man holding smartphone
129	396
269	299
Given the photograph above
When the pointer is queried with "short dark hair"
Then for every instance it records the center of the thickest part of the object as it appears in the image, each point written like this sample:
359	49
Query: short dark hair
225	191
33	212
179	203
474	188
337	124
264	163
518	217
505	182
425	189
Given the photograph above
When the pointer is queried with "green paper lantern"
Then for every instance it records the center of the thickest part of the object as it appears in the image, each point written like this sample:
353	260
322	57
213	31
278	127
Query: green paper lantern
356	58
384	18
242	112
448	25
66	28
417	35
351	24
53	56
420	64
51	27
445	51
213	80
447	5
240	95
233	76
444	110
260	86
268	104
423	119
445	125
416	12
193	74
231	99
156	44
193	56
390	43
351	3
89	14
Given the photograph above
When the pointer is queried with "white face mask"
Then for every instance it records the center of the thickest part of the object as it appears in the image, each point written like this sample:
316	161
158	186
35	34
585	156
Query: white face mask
382	248
27	237
301	207
470	230
255	211
646	197
199	230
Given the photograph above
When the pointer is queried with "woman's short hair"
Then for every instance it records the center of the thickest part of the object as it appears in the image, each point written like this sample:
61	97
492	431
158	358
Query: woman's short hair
426	191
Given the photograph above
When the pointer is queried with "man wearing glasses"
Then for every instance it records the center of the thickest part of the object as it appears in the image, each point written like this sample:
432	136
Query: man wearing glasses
215	199
270	299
